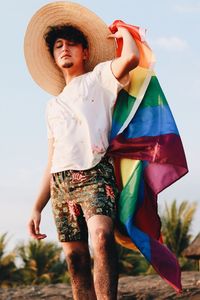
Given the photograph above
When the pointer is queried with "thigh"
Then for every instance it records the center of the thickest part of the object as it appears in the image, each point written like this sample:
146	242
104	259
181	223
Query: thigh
68	215
100	195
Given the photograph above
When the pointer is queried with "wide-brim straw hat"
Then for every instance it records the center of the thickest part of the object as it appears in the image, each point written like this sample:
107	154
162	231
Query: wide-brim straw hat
39	61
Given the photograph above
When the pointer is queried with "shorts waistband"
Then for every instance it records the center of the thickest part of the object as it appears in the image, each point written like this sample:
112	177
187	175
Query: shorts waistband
105	159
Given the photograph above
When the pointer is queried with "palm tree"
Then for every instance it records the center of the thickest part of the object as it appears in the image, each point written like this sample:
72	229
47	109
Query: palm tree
176	223
42	263
8	269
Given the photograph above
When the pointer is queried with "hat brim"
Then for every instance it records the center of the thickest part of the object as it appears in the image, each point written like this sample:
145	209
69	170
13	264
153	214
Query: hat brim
39	61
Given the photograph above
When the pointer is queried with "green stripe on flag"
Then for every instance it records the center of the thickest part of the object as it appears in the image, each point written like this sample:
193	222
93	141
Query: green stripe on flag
126	102
154	95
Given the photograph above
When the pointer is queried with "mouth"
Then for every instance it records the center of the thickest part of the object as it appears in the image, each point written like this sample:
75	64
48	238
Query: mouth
65	56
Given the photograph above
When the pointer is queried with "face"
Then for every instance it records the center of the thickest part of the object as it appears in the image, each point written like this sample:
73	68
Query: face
68	54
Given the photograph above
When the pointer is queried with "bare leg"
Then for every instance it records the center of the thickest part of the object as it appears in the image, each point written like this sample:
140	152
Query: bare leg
79	266
105	257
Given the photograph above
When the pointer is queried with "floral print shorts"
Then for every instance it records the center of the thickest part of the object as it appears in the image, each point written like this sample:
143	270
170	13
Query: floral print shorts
78	195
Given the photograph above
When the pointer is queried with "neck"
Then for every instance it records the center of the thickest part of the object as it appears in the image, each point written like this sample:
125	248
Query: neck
69	74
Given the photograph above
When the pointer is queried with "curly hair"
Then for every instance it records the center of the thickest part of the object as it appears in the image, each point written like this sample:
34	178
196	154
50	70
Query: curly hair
67	32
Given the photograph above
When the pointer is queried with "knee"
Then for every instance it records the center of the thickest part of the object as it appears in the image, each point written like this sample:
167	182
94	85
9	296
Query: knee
102	239
77	260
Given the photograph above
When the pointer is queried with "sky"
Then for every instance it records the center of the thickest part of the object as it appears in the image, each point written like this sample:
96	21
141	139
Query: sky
172	32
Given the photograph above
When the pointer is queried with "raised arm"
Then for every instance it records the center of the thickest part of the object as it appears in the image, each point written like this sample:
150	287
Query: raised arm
129	58
42	198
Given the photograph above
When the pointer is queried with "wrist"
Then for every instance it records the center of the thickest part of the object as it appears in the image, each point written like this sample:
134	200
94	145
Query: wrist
37	209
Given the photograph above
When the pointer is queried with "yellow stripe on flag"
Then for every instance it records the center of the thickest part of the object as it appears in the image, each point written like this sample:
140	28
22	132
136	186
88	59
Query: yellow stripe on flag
137	77
127	167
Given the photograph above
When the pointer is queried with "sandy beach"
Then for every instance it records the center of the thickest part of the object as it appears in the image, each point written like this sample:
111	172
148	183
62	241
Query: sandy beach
130	288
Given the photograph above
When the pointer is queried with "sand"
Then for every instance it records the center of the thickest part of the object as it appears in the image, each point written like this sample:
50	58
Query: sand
130	288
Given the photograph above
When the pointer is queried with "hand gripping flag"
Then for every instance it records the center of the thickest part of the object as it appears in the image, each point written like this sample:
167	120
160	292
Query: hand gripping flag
148	157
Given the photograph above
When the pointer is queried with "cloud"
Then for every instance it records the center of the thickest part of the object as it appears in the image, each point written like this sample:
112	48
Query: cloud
172	43
187	7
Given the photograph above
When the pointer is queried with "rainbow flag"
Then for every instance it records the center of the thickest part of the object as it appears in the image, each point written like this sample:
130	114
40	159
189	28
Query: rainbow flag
148	156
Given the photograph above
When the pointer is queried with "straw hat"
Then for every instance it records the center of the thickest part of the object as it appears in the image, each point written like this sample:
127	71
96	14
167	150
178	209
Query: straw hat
39	61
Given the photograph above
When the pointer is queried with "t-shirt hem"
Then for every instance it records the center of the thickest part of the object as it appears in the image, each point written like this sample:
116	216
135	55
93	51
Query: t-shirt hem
74	169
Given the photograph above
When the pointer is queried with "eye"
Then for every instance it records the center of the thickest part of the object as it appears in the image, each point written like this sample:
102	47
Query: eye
72	44
58	45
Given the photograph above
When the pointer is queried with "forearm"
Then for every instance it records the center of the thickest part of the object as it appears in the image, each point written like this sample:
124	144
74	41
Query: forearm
42	198
44	191
130	52
129	58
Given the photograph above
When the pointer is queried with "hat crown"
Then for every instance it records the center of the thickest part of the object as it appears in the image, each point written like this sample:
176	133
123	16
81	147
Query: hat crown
39	61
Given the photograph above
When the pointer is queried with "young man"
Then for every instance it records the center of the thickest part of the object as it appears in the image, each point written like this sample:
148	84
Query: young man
79	177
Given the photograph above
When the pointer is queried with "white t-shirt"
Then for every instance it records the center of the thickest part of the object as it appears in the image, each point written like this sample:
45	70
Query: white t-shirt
79	119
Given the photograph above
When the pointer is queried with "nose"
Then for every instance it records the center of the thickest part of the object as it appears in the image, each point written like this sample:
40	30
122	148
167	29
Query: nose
65	46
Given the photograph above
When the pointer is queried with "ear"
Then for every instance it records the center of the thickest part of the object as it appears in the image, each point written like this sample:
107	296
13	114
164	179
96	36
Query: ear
85	54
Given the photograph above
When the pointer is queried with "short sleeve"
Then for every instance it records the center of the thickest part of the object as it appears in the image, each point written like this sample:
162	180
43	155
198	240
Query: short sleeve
106	78
49	129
